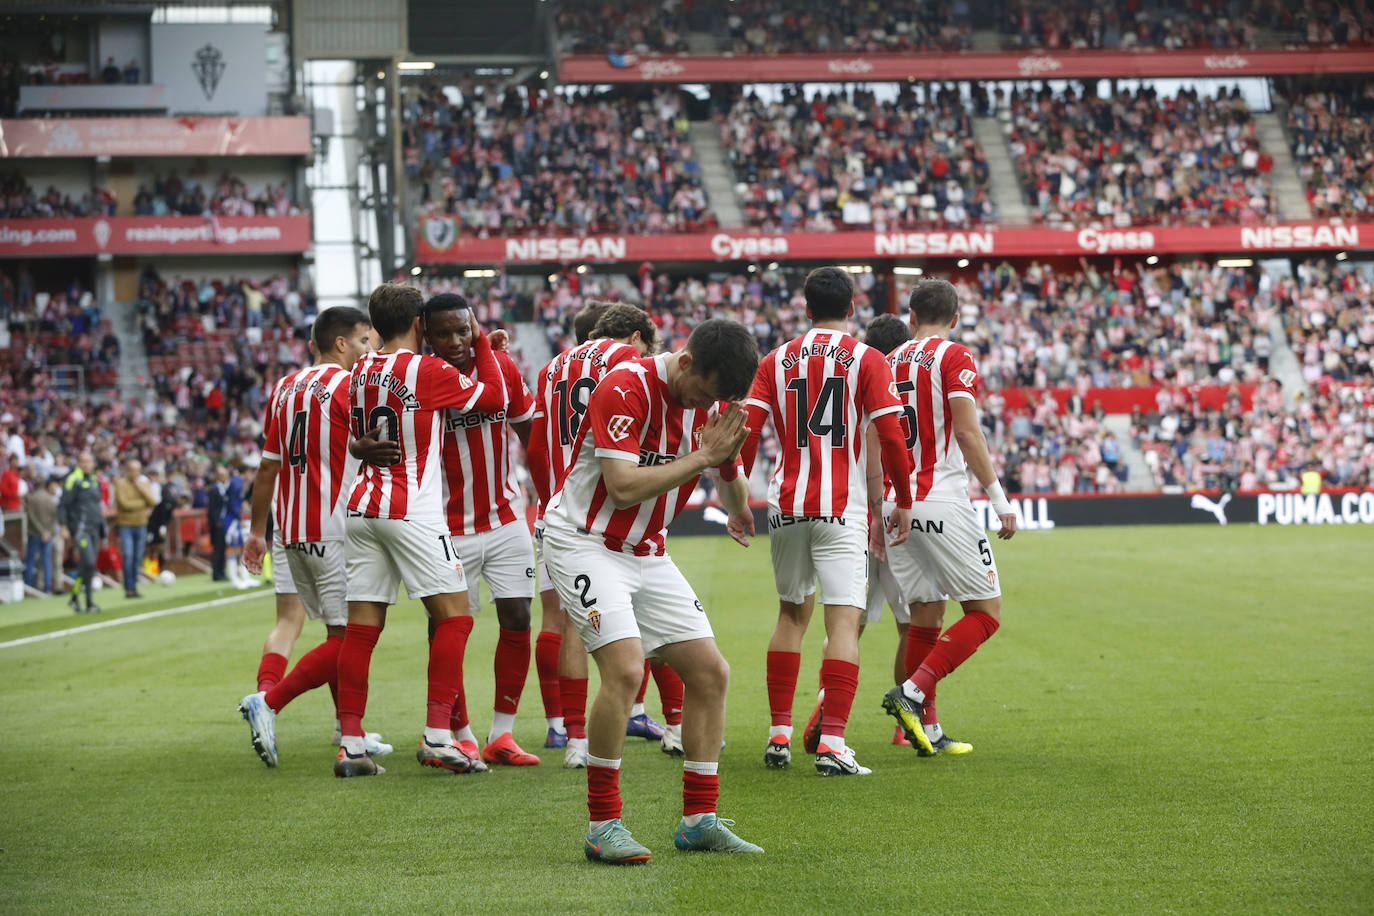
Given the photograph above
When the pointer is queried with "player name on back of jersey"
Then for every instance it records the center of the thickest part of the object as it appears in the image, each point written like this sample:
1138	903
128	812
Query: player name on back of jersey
922	359
376	378
317	389
820	349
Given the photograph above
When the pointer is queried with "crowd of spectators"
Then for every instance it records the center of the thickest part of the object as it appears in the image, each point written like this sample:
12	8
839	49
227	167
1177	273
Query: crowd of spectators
1328	311
1140	24
55	327
1140	158
523	163
850	160
162	196
1333	146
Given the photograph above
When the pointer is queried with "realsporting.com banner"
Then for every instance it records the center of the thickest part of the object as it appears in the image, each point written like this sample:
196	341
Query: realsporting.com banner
440	240
76	138
935	65
154	235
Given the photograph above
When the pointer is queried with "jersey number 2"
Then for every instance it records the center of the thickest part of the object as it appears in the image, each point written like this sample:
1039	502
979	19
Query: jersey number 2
824	420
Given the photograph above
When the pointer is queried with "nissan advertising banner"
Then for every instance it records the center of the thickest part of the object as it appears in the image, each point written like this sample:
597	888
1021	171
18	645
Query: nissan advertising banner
976	65
84	138
154	235
1044	513
211	68
440	240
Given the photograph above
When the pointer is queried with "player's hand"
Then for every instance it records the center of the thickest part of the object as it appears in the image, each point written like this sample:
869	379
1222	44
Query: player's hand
476	328
375	450
66	533
500	339
899	525
254	549
1008	526
741	526
877	544
723	435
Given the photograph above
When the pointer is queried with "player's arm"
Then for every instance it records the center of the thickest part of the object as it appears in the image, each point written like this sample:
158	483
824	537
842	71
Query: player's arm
758	404
264	485
521	407
373	449
629	484
877	545
734	496
969	434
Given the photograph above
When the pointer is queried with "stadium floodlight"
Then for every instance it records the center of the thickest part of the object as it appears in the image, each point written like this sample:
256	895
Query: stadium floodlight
908	271
479	273
415	65
582	268
543	74
1152	260
416	270
857	268
772	265
1235	262
1342	255
963	262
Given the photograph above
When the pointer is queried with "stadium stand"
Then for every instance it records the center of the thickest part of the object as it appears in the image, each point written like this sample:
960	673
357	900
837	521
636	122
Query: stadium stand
1332	143
1138	158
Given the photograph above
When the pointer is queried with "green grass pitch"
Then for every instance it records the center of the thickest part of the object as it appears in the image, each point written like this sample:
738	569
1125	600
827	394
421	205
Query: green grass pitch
1170	719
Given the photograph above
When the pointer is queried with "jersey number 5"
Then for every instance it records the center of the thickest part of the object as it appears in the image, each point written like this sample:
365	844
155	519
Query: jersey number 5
908	414
826	419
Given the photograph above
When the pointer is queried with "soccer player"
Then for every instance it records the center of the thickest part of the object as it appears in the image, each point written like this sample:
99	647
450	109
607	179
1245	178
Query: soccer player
822	390
307	428
491	537
948	551
620	332
652	427
395	530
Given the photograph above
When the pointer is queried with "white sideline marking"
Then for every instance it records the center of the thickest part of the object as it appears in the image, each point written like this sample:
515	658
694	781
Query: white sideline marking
149	615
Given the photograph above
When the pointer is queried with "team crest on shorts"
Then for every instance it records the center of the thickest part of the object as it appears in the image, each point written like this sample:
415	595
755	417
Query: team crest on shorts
992	578
594	618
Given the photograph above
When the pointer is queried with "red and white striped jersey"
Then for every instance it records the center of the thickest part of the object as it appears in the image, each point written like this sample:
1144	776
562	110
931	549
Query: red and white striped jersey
822	390
307	431
405	393
631	417
480	489
564	389
929	373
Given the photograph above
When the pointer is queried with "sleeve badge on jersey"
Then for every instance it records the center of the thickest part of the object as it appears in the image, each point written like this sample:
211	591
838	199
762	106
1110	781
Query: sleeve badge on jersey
967	377
618	426
892	389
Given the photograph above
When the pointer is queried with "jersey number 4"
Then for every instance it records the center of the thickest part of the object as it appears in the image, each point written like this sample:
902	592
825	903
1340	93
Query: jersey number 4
295	443
826	418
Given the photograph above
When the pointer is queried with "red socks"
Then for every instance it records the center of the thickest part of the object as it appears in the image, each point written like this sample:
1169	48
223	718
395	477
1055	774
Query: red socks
839	680
919	642
355	656
270	670
511	665
699	793
644	684
546	647
446	669
316	668
459	719
782	685
959	642
670	692
603	792
573	692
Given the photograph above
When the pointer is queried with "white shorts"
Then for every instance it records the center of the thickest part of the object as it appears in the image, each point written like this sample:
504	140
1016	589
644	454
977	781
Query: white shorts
281	570
503	556
947	554
612	596
883	589
384	552
541	565
830	549
320	570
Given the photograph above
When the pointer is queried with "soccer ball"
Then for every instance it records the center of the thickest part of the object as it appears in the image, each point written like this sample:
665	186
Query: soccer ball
97	583
167	577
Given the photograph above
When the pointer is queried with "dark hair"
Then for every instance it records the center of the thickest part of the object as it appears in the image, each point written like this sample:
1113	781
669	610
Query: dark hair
934	302
829	293
725	351
444	302
393	307
619	321
333	323
886	333
586	318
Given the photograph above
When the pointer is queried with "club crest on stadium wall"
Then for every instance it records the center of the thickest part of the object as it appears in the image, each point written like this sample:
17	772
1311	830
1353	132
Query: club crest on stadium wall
209	66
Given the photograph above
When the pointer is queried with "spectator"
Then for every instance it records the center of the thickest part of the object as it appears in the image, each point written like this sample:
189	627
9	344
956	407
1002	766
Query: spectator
134	502
111	74
131	73
11	487
40	507
225	495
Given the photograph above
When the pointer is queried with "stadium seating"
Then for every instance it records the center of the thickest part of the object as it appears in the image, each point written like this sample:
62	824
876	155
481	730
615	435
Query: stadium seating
1334	149
555	165
850	161
1137	158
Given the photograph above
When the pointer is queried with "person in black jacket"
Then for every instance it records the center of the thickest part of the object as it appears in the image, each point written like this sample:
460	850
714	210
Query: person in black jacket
217	494
82	516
